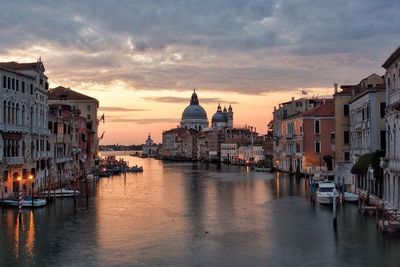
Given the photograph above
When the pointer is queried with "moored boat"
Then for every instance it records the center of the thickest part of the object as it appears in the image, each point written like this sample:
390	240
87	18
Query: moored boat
350	197
136	169
60	193
326	192
26	202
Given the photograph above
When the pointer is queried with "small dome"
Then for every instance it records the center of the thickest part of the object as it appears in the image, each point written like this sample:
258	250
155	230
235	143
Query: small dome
219	117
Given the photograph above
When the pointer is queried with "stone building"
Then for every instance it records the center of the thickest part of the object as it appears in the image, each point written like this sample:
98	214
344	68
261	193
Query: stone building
88	107
149	148
24	136
391	163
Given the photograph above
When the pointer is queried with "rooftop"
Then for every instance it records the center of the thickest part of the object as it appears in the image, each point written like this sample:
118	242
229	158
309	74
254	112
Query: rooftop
392	58
325	110
63	93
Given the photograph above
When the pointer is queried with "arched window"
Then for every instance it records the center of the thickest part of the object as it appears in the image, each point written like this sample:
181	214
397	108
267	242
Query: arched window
317	128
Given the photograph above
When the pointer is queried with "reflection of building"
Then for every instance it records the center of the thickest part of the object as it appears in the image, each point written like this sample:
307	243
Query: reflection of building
88	107
24	137
391	164
149	148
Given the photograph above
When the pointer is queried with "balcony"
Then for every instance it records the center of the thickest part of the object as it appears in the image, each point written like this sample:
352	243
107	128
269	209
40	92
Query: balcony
14	128
14	161
63	159
42	154
394	164
394	97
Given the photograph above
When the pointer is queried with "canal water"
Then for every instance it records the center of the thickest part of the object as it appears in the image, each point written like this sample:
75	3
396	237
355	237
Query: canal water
193	214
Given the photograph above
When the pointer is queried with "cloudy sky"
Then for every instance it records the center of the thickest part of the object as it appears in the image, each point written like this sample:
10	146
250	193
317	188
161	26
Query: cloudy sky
141	59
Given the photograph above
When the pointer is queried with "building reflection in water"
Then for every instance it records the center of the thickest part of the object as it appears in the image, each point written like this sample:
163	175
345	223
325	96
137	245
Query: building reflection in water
278	184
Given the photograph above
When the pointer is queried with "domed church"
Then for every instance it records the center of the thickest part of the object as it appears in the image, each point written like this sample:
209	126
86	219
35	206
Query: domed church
222	119
194	116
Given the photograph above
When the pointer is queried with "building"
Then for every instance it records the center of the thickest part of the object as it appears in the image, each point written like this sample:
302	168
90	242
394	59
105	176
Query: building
391	163
24	136
341	140
222	118
149	148
64	145
280	114
306	145
88	107
228	152
194	116
172	142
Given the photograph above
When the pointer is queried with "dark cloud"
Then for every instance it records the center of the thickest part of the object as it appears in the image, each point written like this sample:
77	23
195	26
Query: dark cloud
120	109
231	45
175	99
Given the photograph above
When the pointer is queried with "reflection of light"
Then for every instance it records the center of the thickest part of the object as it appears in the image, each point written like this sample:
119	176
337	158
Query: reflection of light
19	178
278	183
30	238
16	237
30	177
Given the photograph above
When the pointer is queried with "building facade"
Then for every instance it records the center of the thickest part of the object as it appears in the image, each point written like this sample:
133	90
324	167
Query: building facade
88	107
24	137
391	163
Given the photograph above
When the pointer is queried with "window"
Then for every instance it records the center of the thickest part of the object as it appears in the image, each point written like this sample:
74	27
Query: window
317	127
317	146
88	107
31	89
346	137
346	110
367	110
13	84
23	87
4	82
347	156
8	83
382	109
383	140
17	85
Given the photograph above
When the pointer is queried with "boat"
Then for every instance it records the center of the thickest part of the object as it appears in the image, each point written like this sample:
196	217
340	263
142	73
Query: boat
60	193
136	169
90	177
326	192
262	169
26	202
350	197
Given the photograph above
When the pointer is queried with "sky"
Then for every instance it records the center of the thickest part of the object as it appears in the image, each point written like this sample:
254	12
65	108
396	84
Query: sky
142	59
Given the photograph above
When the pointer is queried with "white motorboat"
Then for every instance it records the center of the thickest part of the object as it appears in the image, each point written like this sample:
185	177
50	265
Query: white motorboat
60	193
326	192
350	197
26	202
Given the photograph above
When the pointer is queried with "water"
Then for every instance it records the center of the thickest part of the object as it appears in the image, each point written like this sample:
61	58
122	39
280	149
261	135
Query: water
193	214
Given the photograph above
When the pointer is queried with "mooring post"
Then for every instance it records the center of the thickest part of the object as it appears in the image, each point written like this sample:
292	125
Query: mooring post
334	208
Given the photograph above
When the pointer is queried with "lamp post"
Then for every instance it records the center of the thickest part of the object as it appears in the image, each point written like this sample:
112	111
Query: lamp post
33	187
19	197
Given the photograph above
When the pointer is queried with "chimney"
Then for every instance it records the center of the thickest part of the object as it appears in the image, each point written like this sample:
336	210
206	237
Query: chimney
292	98
335	85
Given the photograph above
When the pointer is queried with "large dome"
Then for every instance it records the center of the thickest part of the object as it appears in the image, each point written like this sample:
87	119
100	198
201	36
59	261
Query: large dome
194	112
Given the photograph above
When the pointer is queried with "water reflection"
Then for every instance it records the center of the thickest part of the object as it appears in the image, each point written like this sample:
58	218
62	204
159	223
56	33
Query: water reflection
185	214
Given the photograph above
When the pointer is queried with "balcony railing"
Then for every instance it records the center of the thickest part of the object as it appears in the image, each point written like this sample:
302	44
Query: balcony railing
63	159
14	161
394	97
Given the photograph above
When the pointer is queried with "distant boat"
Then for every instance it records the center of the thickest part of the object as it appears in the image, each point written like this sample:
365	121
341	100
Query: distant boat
60	193
350	197
136	169
26	202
